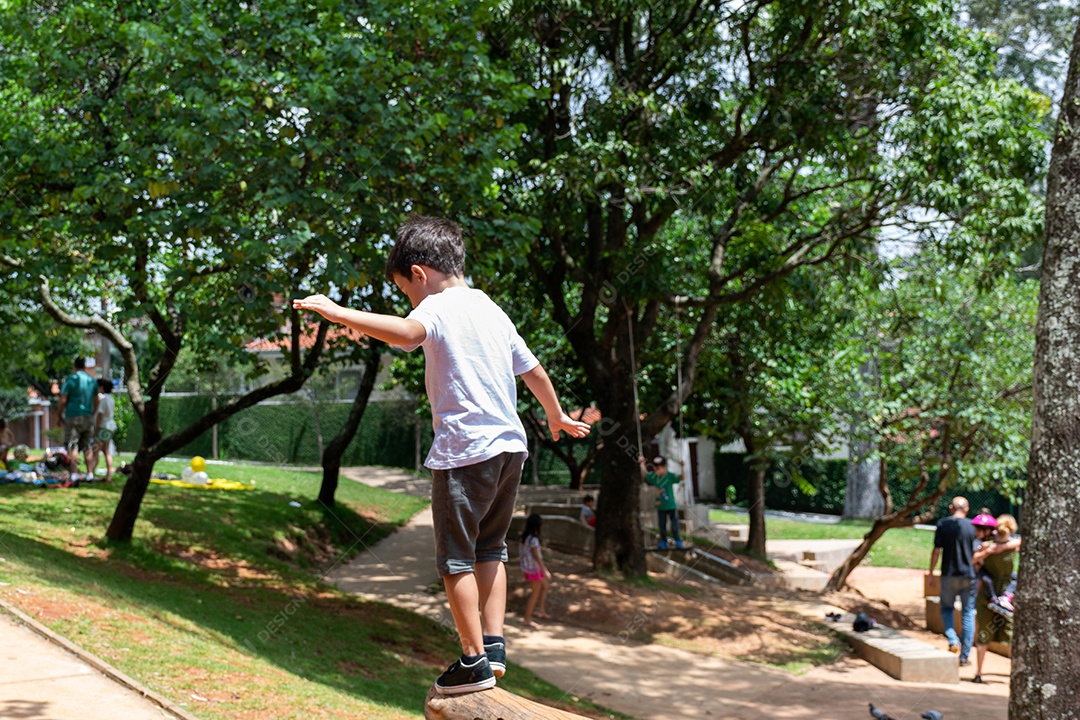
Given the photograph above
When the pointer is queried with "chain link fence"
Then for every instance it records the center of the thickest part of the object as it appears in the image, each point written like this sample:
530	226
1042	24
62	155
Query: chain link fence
290	432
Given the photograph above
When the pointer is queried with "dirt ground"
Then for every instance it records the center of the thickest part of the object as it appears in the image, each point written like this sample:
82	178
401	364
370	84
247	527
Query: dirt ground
744	623
751	624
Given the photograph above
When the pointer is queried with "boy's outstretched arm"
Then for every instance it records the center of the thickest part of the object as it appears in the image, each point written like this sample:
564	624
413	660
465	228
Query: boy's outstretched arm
539	384
390	329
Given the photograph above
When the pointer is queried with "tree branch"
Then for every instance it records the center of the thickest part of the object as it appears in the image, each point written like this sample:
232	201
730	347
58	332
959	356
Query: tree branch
103	327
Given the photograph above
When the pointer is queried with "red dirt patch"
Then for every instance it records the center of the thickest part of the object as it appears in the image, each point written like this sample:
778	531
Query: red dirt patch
228	567
751	624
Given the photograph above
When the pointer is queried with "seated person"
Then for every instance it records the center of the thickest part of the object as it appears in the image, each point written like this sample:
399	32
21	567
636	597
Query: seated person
588	511
7	439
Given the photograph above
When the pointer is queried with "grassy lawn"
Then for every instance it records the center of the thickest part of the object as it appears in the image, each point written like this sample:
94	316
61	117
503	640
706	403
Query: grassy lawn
217	605
900	547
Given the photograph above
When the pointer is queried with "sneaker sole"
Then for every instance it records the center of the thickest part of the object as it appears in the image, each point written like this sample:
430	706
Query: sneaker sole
467	688
498	669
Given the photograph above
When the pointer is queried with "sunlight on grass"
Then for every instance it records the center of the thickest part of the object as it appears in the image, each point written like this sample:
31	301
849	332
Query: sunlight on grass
217	602
900	547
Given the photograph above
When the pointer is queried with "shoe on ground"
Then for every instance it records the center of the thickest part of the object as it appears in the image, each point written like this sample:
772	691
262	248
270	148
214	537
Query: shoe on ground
460	678
662	545
1002	607
496	653
678	544
954	649
977	679
964	662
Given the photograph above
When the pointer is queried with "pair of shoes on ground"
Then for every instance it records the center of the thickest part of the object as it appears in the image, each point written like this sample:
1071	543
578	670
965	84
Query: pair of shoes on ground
464	676
662	545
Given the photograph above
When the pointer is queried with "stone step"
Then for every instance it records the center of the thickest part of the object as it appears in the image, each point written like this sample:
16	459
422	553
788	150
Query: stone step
561	533
825	555
902	657
561	509
735	531
697	563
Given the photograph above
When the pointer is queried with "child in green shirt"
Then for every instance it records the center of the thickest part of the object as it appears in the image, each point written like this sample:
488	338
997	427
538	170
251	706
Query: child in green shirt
666	507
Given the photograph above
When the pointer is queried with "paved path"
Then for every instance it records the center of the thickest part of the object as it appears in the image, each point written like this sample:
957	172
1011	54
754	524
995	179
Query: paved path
41	681
651	682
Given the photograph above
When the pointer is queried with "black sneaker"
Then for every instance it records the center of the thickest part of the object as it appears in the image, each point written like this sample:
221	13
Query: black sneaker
461	678
496	653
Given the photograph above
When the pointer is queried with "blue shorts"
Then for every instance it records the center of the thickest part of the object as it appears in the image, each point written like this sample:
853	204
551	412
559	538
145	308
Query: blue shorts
471	507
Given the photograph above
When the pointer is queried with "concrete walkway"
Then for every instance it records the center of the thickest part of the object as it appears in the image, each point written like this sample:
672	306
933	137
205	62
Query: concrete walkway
41	681
650	682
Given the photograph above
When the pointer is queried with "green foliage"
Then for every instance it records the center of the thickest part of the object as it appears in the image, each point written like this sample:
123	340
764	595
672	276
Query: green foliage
285	433
937	371
707	150
760	373
13	404
1031	38
36	351
200	164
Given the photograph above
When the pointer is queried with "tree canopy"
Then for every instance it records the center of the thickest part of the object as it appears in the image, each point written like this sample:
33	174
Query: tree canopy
705	150
200	163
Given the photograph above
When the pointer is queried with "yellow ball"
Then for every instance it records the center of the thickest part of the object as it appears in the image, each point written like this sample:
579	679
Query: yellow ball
198	464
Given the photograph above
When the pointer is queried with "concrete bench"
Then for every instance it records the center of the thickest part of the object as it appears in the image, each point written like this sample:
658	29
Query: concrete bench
558	532
562	509
934	624
899	656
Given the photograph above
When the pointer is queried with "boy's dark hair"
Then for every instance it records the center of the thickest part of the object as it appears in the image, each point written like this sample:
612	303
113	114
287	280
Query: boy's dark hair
80	363
106	385
588	499
422	240
532	527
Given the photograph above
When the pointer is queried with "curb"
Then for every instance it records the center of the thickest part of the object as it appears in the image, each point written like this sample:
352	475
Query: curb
95	662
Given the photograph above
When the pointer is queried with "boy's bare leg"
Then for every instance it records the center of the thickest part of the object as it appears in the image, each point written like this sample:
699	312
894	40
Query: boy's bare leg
491	584
464	597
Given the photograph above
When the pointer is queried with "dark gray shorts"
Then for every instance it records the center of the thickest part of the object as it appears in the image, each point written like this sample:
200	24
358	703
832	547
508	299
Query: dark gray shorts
472	507
79	431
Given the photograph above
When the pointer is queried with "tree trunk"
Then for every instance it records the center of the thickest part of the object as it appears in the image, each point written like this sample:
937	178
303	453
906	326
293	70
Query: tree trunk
755	494
494	703
127	510
862	496
1046	656
619	543
335	449
840	575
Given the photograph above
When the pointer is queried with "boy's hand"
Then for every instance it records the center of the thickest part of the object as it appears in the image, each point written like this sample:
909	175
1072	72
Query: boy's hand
563	423
318	303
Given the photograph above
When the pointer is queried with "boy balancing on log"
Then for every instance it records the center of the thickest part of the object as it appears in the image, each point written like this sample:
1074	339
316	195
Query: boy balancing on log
472	355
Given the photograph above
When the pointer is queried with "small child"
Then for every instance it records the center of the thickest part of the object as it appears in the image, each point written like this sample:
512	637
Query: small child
472	354
534	570
666	506
588	511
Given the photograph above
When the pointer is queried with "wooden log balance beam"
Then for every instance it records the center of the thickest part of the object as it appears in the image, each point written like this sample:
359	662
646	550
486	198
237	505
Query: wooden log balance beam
493	704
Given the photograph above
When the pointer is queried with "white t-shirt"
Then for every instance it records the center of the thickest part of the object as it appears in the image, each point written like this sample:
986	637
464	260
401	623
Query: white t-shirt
528	549
107	410
472	355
